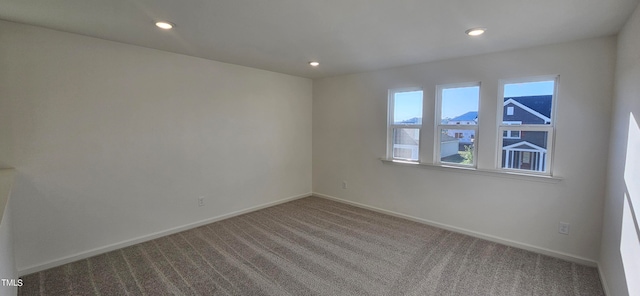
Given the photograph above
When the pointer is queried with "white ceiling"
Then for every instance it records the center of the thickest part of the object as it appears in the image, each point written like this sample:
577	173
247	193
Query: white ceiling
345	36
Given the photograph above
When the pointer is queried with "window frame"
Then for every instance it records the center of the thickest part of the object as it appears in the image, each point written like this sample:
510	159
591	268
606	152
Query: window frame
391	125
506	126
438	126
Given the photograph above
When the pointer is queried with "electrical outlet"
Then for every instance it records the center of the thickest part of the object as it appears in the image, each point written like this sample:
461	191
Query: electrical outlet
564	228
344	184
201	201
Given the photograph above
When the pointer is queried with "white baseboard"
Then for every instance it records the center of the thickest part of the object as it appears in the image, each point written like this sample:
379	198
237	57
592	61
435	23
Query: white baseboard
603	281
148	237
539	250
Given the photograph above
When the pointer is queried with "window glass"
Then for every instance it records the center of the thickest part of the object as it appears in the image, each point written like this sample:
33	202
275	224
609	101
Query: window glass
405	123
526	152
528	102
456	146
407	107
458	124
526	124
406	143
460	105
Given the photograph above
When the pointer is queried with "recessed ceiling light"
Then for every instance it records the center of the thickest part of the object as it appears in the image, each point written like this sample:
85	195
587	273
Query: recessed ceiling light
475	31
165	25
314	64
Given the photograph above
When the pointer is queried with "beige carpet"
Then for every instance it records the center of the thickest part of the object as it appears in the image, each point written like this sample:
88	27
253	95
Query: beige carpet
314	246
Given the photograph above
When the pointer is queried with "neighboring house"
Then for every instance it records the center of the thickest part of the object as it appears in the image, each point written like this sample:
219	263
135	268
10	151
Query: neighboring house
464	136
405	143
406	140
521	149
448	145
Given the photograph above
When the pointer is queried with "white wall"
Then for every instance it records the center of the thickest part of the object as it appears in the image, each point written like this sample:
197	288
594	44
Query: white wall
113	142
7	259
349	134
620	255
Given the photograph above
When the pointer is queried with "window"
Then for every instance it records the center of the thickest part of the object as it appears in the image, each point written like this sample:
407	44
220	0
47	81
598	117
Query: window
526	124
457	124
405	123
511	134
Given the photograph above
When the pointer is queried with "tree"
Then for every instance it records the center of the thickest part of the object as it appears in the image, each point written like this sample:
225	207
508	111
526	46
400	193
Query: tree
467	154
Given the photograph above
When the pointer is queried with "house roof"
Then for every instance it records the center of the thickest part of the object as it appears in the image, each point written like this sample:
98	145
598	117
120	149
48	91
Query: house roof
524	146
446	138
403	138
469	116
540	104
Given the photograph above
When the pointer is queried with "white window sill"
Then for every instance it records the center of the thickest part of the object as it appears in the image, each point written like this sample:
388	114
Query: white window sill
468	170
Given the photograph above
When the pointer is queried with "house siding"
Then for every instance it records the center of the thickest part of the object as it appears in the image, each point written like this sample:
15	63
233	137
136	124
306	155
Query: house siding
520	114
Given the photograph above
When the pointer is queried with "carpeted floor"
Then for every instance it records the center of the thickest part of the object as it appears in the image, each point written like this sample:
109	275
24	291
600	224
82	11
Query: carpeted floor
315	246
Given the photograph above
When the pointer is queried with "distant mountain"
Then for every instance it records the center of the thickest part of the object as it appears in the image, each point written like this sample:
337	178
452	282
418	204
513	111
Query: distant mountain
414	120
469	116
